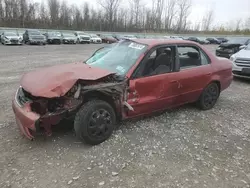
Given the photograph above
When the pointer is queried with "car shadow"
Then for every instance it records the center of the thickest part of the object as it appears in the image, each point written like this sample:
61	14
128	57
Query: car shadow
65	129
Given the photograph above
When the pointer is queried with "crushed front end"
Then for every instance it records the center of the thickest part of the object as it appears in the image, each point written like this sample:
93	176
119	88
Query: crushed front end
37	114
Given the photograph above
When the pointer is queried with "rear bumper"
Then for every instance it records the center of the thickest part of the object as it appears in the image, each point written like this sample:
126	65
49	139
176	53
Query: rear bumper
25	119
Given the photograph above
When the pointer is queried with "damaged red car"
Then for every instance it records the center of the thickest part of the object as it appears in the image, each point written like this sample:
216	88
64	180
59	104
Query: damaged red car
129	79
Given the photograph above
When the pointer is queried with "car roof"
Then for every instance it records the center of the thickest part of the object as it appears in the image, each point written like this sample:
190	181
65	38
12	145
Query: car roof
155	42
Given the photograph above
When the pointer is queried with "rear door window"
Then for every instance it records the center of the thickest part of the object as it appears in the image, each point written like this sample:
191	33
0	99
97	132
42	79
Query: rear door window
190	56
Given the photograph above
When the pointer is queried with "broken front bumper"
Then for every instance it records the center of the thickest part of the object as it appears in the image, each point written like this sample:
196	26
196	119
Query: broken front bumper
25	118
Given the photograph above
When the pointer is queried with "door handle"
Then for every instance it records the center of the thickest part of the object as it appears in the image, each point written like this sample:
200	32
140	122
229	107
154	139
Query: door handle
209	74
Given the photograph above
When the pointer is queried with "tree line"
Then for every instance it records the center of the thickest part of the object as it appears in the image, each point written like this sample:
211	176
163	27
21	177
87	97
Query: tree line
108	15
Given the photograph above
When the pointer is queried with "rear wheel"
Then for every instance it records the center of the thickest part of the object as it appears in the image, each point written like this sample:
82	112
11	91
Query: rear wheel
95	122
209	97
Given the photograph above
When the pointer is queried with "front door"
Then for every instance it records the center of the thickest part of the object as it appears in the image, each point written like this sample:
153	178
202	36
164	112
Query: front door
158	89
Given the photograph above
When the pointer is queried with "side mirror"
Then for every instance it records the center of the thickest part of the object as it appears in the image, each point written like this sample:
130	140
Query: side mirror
242	47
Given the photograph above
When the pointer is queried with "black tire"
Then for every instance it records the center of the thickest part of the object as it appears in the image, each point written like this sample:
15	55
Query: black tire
209	97
89	120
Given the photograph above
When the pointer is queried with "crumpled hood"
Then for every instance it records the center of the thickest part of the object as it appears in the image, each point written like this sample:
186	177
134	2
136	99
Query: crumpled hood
57	80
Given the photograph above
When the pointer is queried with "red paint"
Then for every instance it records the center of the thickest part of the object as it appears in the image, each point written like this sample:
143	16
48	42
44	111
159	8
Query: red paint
57	80
25	119
146	94
155	93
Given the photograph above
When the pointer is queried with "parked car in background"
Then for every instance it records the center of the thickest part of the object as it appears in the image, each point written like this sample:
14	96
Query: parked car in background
241	62
53	37
213	40
131	37
176	37
127	80
117	37
95	39
82	38
20	34
203	40
231	47
10	37
33	36
222	39
107	38
196	39
69	38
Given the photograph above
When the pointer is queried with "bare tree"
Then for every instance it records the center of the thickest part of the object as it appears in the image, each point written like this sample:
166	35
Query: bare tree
23	10
1	12
238	25
170	13
110	7
207	20
247	23
86	15
65	15
183	13
159	11
54	6
135	7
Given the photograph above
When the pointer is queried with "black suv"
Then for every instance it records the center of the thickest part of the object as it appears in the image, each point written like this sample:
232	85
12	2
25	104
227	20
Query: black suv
231	47
213	40
32	36
196	39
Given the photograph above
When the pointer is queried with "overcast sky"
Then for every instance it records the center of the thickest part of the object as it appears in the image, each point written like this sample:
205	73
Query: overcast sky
225	10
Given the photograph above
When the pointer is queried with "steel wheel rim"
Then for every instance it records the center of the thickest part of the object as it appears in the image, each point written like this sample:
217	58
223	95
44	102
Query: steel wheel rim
99	123
210	96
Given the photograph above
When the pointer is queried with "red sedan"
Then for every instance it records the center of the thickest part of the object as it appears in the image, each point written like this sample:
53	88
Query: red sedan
128	79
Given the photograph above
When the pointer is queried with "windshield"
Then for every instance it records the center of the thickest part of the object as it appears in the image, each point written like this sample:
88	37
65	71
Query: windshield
34	33
118	58
10	34
237	41
68	35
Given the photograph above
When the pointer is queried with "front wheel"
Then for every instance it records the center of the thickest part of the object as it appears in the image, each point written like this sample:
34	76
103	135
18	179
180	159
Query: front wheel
94	122
209	97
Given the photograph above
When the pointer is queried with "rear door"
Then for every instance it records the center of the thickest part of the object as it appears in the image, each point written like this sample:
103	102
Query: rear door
195	72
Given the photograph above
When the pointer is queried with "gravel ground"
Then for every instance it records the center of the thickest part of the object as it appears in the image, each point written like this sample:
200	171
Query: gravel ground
184	147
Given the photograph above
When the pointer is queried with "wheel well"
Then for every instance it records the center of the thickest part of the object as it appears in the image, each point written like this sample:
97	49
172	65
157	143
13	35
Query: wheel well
92	95
218	84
